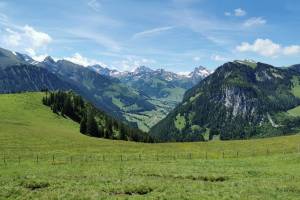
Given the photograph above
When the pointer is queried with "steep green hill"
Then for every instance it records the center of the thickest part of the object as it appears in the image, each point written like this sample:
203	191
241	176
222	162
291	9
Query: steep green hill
43	156
239	100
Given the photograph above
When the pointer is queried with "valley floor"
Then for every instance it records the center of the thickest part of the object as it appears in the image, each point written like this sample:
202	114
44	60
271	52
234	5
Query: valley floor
43	156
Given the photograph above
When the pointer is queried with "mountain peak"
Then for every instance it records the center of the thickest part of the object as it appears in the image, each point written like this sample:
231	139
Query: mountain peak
200	71
143	69
49	59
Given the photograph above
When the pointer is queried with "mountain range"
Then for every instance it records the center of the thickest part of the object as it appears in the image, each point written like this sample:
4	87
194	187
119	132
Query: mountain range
117	93
239	100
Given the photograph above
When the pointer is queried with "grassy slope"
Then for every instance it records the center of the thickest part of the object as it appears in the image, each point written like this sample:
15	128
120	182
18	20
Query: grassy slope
27	129
296	91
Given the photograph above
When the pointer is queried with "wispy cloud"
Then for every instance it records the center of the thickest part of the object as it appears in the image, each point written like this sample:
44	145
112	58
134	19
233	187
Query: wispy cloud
227	13
151	32
239	12
196	58
3	18
219	58
254	21
207	26
96	37
95	5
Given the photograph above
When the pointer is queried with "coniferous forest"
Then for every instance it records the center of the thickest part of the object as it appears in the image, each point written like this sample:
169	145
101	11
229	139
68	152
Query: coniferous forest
93	122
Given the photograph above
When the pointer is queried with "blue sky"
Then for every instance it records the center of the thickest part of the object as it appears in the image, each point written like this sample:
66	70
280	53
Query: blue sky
177	35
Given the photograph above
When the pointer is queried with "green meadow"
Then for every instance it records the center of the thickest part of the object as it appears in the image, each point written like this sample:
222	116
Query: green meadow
43	156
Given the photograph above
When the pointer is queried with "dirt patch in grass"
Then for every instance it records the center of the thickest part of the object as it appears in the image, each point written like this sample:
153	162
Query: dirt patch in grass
34	185
132	190
193	177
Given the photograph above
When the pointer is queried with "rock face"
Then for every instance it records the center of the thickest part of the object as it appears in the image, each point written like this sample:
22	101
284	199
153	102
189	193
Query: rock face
234	102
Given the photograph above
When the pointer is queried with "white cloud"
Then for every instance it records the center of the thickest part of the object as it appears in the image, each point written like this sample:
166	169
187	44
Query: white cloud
25	39
268	48
291	50
95	5
254	21
80	60
239	12
152	31
12	38
219	58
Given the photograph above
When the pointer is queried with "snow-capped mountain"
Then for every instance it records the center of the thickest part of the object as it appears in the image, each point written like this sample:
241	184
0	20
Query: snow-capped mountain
106	71
199	72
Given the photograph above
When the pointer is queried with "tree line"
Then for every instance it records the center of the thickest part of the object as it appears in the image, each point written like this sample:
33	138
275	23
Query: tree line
93	122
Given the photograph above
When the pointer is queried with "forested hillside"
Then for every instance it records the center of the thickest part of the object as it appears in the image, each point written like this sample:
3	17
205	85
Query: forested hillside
239	100
93	121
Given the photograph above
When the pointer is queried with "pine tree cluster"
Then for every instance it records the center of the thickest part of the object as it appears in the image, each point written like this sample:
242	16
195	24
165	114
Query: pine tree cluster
93	122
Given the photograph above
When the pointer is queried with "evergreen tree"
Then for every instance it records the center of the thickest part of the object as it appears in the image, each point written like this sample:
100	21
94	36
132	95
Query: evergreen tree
91	124
67	108
83	125
122	133
109	129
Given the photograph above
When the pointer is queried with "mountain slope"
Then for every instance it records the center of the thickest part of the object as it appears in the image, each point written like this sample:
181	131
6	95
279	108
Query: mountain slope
239	100
104	92
164	89
24	77
157	84
9	58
